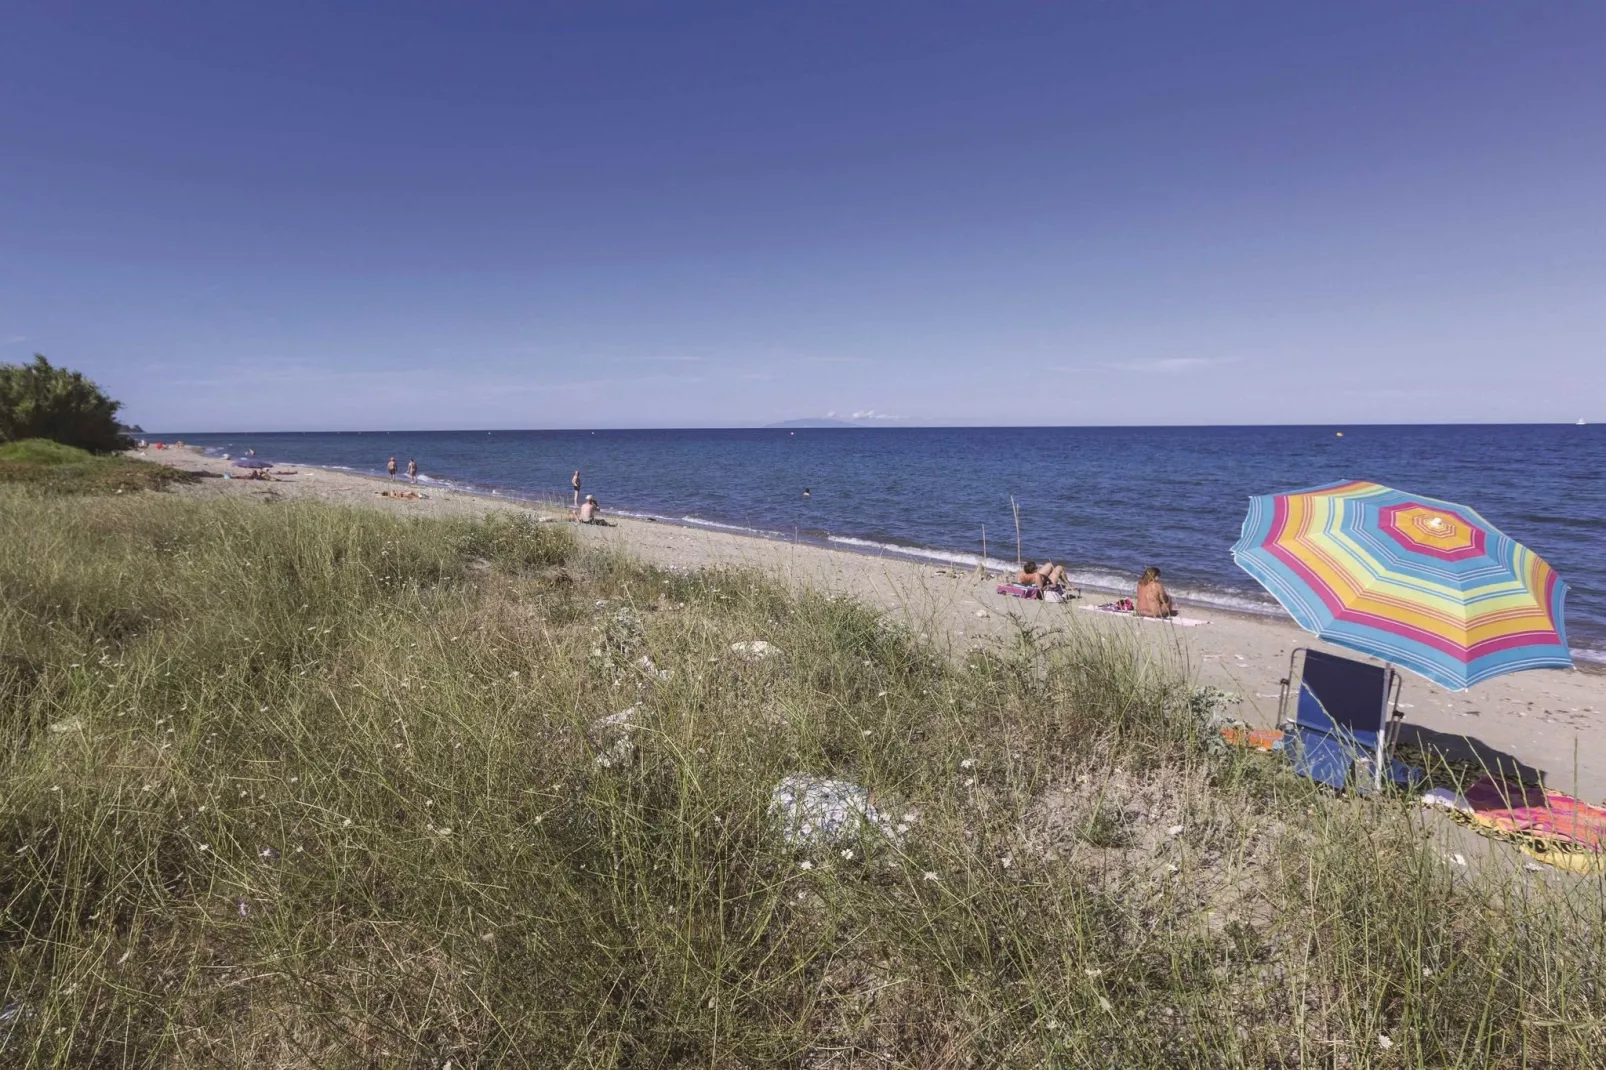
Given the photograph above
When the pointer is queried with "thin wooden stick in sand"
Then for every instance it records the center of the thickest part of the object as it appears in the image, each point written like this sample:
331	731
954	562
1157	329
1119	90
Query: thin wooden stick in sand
1015	508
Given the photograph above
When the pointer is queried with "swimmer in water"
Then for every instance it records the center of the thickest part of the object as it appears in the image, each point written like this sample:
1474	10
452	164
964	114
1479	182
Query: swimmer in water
807	493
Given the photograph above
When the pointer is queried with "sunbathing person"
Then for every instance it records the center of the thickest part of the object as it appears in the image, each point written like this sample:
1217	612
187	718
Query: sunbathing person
589	512
1049	575
1152	600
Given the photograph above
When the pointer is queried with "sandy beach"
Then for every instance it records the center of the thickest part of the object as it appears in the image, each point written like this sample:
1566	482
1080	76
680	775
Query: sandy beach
1553	721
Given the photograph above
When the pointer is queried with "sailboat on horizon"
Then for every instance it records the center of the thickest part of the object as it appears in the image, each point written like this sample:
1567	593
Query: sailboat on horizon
1581	422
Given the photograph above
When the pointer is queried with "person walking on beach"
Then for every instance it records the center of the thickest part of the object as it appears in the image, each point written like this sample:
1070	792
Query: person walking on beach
575	483
390	468
412	471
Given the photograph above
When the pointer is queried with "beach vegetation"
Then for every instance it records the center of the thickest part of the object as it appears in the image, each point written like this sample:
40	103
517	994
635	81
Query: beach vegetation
40	400
48	467
304	785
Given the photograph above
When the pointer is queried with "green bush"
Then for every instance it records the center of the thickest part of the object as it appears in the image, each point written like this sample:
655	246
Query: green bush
39	400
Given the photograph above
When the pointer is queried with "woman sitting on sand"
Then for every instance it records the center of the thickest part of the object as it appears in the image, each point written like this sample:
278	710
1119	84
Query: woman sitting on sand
1049	575
1152	600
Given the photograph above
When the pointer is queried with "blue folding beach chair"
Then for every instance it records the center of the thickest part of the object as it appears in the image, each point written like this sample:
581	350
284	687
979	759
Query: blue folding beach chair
1343	722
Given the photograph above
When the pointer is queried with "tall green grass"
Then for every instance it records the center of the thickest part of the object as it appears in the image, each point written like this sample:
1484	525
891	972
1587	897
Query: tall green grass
297	785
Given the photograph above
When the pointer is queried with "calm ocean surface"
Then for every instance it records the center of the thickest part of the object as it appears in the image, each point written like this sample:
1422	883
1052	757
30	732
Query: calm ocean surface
1108	501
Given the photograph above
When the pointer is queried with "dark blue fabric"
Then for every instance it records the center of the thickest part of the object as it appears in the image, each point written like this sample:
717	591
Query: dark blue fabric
1349	694
1324	758
1341	716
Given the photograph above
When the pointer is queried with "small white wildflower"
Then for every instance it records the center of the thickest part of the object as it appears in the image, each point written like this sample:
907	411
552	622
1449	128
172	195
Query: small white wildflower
970	782
264	709
968	763
880	694
445	830
1007	861
930	875
847	853
865	732
805	865
1427	971
1093	972
295	779
1384	1042
204	847
346	824
1174	830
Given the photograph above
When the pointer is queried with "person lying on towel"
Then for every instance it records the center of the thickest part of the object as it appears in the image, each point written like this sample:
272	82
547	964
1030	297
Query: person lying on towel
1152	600
1049	575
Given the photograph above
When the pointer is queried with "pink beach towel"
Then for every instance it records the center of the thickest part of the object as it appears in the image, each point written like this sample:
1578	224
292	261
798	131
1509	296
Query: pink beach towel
1546	825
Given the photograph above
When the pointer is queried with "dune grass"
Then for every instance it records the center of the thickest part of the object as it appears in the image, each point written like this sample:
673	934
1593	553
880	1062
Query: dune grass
296	785
46	467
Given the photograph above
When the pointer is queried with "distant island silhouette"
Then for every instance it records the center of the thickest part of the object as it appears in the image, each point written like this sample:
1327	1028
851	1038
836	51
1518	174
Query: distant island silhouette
815	422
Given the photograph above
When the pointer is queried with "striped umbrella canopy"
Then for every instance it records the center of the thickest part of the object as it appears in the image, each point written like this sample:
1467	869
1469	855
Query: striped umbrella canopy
1425	584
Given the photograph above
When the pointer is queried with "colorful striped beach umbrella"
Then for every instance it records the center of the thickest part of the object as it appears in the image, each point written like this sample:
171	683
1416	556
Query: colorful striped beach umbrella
1421	583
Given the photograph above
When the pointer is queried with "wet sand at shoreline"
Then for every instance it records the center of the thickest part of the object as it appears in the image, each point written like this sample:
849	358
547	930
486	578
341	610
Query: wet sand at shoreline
1550	720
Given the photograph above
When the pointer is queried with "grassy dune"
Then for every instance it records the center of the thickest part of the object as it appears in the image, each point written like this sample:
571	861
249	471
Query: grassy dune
49	467
304	786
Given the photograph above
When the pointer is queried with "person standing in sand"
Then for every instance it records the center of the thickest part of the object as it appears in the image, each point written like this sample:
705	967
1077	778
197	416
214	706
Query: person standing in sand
575	483
1153	600
390	468
412	471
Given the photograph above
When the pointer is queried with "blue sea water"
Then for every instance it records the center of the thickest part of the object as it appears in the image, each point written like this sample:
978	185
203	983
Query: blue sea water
1108	501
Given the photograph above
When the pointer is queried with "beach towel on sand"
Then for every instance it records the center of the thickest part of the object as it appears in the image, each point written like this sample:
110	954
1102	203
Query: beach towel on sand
1124	609
1545	825
1020	590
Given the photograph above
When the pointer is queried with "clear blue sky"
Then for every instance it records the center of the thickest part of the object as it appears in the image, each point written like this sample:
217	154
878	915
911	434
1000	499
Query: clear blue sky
322	216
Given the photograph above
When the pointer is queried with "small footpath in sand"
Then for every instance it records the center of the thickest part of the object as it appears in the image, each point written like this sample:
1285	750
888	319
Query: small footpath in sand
1553	721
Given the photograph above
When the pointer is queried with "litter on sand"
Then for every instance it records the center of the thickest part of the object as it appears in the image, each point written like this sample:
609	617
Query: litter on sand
811	809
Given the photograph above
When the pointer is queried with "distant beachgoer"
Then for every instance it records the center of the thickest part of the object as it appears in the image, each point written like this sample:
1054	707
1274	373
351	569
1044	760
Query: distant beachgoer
248	453
1152	600
390	468
412	471
575	483
1049	575
589	509
807	493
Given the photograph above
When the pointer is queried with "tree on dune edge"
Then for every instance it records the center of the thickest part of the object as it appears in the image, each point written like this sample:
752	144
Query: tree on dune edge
40	400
